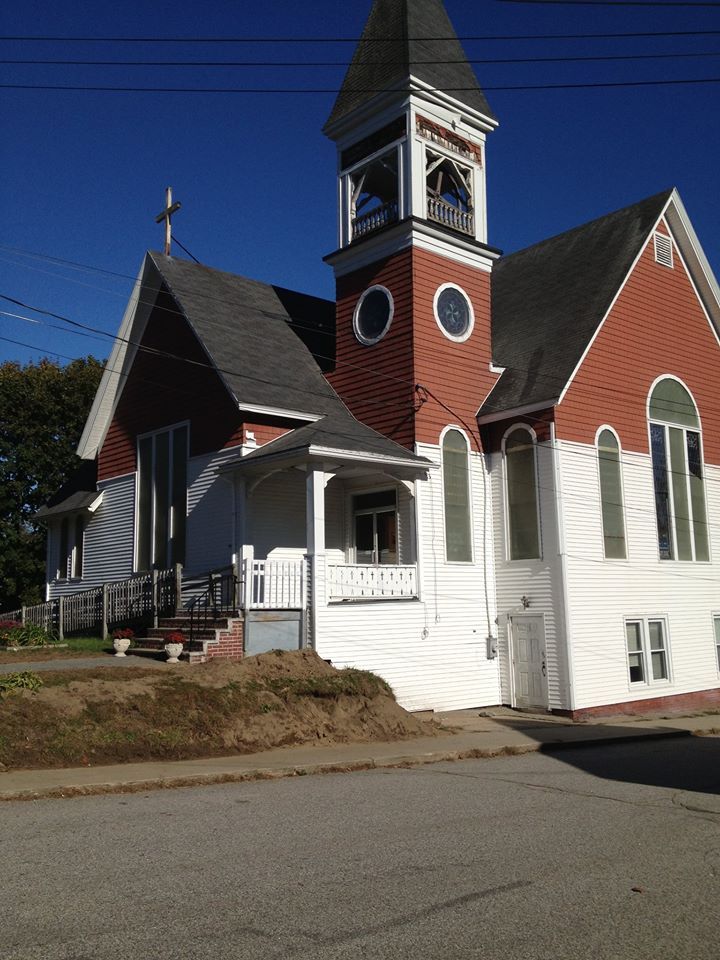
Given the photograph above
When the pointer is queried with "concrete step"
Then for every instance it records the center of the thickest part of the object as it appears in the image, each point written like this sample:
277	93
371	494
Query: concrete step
158	643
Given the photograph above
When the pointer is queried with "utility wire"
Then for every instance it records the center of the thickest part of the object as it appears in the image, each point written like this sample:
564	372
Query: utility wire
287	91
363	40
346	63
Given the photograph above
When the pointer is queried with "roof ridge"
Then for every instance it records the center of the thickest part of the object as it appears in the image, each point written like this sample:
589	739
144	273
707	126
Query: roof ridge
666	194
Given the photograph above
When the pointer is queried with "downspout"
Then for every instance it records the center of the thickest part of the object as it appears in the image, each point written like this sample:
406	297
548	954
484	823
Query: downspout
560	524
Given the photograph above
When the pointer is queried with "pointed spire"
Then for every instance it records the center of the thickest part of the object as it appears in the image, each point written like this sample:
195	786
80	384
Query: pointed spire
422	44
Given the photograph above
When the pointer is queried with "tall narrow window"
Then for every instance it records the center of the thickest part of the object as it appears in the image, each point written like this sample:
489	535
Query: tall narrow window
522	500
716	625
456	492
611	495
161	498
678	477
63	549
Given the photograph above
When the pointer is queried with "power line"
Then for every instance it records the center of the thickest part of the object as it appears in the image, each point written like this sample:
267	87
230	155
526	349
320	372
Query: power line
621	3
344	63
287	91
357	40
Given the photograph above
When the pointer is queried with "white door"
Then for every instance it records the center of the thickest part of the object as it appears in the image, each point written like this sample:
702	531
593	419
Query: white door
529	661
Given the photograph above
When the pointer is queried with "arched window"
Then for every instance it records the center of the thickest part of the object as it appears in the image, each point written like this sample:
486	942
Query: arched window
611	495
456	492
677	464
522	500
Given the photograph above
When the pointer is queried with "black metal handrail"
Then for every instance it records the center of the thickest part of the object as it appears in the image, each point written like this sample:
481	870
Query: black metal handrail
220	599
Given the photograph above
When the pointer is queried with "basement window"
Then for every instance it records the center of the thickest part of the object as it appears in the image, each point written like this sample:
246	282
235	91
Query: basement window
663	250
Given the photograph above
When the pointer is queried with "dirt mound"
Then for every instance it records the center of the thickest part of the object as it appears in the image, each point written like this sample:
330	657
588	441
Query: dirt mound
271	700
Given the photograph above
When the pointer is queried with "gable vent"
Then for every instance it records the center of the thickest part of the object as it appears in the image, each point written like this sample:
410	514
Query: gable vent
663	250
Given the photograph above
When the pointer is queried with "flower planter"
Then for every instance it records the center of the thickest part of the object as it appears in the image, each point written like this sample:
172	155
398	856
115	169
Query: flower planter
173	651
121	645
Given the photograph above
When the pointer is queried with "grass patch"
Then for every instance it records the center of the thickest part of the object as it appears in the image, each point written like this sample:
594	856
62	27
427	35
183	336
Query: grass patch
88	645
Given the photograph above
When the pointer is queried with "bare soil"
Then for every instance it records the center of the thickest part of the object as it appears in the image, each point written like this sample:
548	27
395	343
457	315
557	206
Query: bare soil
275	699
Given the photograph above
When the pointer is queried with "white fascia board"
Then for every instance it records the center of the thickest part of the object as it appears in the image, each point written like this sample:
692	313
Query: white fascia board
368	117
406	233
96	503
424	91
694	259
353	456
515	411
121	359
614	300
279	412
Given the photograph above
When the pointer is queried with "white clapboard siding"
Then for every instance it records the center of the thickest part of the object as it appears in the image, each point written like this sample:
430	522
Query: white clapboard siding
538	580
603	593
108	541
432	651
210	513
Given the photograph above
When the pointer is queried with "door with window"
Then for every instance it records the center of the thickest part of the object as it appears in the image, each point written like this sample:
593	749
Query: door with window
375	527
529	661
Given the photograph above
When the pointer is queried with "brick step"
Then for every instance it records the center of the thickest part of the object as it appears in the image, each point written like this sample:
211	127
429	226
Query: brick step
161	632
183	622
157	643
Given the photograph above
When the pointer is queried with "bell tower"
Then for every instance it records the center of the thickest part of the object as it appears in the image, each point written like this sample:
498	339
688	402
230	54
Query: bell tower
413	267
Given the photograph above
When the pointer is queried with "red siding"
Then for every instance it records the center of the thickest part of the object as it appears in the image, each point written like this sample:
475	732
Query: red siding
161	391
377	382
457	373
657	326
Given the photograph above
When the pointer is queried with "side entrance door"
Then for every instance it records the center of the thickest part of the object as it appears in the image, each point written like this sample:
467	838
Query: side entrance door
529	661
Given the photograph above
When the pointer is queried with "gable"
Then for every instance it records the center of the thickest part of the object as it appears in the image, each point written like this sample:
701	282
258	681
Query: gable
657	325
169	381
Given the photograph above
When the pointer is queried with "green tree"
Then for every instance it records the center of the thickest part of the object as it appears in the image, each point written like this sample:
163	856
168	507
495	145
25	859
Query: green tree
43	408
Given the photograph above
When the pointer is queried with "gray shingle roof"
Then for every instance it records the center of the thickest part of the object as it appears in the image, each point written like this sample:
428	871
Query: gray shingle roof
549	299
78	493
339	431
245	327
381	64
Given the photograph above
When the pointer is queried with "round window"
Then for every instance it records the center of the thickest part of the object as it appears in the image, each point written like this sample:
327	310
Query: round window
373	315
453	312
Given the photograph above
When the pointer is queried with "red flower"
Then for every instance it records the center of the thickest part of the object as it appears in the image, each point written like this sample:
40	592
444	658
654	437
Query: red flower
175	637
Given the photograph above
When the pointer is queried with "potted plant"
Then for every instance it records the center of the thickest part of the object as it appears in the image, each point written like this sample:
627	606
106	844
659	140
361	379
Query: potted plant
173	646
122	639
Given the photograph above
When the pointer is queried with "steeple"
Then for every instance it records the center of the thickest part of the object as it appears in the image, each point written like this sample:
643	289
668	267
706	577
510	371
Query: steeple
412	268
408	45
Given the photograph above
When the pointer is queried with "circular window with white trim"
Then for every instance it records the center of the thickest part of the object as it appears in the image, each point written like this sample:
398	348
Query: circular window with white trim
373	315
453	312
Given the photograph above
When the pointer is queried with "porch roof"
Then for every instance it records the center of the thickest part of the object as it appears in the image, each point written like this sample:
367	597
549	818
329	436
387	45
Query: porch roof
336	437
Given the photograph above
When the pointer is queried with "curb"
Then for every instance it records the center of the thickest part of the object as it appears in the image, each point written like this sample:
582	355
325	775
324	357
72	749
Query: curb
315	769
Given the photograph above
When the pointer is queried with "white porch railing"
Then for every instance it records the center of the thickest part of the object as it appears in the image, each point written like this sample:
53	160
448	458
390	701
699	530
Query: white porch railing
274	584
362	581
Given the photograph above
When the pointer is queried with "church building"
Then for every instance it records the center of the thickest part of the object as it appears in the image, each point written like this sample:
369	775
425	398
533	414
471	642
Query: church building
489	479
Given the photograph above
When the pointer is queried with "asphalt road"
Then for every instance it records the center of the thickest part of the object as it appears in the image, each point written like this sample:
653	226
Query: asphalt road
600	852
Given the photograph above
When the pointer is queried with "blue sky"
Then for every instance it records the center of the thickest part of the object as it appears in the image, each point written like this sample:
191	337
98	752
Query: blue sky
83	174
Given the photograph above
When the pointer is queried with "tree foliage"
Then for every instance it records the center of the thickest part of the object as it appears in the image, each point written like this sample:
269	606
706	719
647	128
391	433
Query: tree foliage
43	408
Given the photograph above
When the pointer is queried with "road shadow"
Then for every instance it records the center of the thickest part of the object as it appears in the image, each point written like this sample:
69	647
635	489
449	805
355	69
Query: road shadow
651	760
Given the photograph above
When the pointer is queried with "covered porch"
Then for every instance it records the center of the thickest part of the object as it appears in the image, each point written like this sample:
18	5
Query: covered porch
317	525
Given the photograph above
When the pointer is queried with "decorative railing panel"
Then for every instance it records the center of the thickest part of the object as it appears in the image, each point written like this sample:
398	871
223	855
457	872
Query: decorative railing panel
379	217
82	611
449	216
274	584
363	581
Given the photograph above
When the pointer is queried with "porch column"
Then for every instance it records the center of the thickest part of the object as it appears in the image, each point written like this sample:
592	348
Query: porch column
244	553
315	524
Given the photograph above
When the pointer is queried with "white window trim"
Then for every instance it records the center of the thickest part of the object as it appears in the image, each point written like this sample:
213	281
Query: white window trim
471	517
715	615
143	436
370	341
645	640
684	427
506	511
601	429
471	324
352	513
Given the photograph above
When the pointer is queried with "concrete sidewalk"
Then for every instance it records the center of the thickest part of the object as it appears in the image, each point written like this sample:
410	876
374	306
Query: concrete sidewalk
476	733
